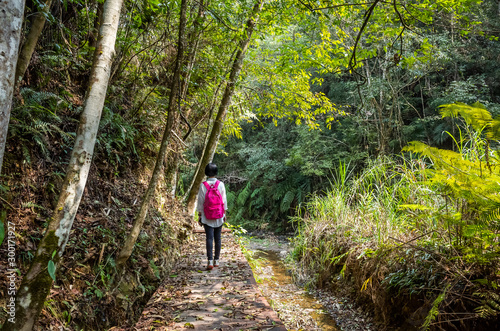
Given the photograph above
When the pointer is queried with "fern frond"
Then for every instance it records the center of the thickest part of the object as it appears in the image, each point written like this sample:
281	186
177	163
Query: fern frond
230	197
26	154
287	201
494	129
243	196
434	312
475	115
30	204
490	304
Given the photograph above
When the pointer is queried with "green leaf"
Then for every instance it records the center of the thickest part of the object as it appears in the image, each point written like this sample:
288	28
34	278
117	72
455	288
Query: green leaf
52	270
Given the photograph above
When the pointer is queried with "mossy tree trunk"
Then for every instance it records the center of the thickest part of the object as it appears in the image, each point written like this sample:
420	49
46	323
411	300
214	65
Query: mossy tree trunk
37	282
224	105
11	18
37	23
129	243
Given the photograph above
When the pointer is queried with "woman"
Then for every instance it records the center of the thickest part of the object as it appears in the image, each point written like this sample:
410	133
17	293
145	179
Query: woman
212	220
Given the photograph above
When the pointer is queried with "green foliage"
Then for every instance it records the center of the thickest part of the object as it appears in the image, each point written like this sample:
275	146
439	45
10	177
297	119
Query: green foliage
431	316
390	202
282	166
490	307
475	115
469	179
38	124
417	277
300	74
45	125
52	270
116	139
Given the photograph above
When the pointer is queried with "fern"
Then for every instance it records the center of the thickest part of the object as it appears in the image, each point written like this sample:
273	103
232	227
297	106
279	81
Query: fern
434	312
494	130
287	201
490	307
230	197
35	124
470	178
30	204
475	115
116	139
243	196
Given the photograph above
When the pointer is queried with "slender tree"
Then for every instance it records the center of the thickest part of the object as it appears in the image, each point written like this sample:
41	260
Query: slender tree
37	282
129	243
225	102
37	23
11	16
194	37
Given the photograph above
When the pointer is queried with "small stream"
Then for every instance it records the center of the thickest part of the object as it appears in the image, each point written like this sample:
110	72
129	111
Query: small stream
322	309
279	286
298	309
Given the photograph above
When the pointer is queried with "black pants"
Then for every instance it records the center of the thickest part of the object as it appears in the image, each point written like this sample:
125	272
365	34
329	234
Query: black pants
211	235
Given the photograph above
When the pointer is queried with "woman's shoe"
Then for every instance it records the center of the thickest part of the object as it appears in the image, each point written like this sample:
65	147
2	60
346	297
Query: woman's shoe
210	265
216	263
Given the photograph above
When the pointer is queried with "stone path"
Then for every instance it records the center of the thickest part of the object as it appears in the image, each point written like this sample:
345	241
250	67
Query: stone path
226	298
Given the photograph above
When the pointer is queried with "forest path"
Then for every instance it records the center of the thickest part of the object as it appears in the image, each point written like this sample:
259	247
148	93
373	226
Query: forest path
225	298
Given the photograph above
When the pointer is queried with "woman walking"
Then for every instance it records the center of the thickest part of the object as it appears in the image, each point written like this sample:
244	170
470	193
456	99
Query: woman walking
211	208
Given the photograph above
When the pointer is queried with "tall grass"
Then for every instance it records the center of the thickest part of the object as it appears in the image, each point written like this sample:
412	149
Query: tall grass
432	223
359	214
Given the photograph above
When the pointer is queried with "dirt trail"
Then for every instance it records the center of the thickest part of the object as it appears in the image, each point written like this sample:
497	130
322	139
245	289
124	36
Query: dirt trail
226	298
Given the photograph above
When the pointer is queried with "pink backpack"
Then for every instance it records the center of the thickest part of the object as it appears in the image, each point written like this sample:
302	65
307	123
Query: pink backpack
213	208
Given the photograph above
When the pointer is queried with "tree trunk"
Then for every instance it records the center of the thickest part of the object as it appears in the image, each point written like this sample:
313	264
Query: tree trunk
194	41
224	105
97	24
128	246
205	139
11	16
37	282
171	172
37	23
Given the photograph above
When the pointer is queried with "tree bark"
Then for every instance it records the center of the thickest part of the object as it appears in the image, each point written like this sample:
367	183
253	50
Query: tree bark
97	24
37	282
11	16
224	105
29	45
129	243
172	173
205	139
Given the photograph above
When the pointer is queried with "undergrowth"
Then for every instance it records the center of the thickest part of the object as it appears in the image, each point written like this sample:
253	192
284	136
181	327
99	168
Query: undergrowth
41	136
243	241
419	238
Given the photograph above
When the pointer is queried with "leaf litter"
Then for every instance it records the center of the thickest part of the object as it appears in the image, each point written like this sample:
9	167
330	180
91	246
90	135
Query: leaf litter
225	298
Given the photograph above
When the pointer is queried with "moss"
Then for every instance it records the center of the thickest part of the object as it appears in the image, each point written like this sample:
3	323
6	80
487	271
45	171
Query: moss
33	291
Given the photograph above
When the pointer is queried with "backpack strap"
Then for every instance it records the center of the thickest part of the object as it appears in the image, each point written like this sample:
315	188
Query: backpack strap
208	186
